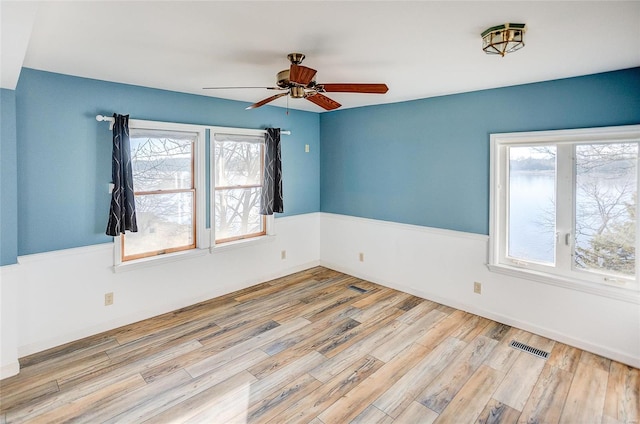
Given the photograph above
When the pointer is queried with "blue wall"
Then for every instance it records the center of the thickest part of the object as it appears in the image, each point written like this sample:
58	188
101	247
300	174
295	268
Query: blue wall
8	176
64	154
426	162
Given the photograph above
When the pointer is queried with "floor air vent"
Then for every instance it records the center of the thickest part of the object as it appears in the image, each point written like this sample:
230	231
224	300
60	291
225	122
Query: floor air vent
358	289
529	349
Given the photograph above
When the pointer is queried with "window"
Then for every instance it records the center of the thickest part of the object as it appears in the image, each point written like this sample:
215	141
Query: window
169	194
178	213
238	169
563	207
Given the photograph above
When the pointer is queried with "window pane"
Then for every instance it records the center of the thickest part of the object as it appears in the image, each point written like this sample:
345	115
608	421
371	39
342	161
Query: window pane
161	160
531	202
237	213
606	204
238	164
165	221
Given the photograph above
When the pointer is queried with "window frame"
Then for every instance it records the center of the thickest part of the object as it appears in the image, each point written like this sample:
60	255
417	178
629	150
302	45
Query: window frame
498	213
205	198
201	239
267	220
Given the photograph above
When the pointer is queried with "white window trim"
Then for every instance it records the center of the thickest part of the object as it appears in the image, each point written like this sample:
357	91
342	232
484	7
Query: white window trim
497	211
205	237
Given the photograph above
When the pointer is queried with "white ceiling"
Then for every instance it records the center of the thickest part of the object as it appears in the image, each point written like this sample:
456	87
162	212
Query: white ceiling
420	48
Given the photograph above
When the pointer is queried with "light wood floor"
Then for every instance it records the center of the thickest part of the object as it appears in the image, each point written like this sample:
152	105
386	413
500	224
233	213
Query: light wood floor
308	349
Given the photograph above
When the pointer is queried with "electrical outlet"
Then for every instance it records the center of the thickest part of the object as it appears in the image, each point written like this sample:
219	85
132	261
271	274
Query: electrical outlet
361	257
108	299
477	287
283	254
306	148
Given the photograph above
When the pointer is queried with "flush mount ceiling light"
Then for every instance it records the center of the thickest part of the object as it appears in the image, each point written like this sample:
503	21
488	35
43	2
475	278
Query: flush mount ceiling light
503	39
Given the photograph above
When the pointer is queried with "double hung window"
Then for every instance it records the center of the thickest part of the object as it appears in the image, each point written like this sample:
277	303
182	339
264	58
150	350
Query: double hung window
564	204
239	170
166	160
170	173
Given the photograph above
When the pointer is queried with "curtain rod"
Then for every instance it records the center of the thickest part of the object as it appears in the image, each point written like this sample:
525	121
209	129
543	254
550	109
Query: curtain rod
111	120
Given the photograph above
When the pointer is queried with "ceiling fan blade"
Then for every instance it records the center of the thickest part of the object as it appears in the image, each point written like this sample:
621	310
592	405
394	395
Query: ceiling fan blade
235	88
301	74
323	101
267	100
355	88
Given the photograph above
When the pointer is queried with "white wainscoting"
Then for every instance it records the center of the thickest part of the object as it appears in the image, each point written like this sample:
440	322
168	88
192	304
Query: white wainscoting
442	265
59	296
56	297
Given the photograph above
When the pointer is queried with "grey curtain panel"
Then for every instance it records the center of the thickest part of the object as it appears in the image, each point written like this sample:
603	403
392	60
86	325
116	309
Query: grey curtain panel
271	198
122	215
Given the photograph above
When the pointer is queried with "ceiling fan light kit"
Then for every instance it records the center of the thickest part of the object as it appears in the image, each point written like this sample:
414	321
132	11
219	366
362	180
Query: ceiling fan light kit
299	82
503	39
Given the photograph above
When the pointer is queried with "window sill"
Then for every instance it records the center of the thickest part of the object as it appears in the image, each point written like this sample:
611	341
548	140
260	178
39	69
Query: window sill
158	260
605	290
238	244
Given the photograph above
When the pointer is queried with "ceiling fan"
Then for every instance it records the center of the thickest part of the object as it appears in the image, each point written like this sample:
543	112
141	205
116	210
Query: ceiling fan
299	82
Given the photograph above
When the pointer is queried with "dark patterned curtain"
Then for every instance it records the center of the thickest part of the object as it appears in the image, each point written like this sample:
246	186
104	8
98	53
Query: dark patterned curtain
122	215
271	198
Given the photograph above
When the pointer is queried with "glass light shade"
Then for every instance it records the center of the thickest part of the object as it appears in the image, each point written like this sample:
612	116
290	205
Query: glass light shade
503	39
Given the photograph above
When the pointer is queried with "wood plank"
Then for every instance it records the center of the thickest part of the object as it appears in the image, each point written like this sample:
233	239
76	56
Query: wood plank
564	357
307	344
139	363
467	405
417	312
317	401
143	395
547	397
349	338
443	388
222	401
585	400
522	376
410	303
75	403
405	337
102	379
274	381
164	400
371	312
336	364
496	331
503	356
66	352
76	407
372	415
498	413
622	401
30	381
269	406
336	326
225	340
216	361
354	402
399	396
13	399
472	326
443	329
416	413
